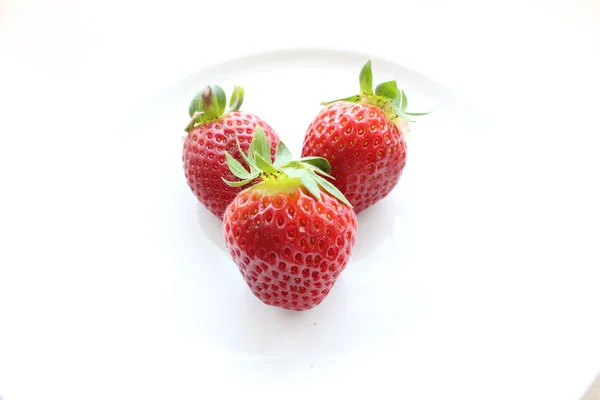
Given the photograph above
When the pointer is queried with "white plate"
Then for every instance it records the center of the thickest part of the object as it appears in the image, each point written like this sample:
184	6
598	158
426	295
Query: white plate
391	285
448	292
421	309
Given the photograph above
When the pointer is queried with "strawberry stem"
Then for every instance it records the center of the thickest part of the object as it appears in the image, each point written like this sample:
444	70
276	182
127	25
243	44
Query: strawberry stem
365	79
387	96
237	98
210	103
309	172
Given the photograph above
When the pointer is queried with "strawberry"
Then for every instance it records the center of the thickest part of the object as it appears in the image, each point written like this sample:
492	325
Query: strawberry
292	233
210	134
362	136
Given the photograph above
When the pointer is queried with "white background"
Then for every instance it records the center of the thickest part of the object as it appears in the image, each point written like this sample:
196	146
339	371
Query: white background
72	71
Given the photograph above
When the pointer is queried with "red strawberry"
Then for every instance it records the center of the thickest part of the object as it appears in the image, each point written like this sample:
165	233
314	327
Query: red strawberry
291	234
212	133
362	136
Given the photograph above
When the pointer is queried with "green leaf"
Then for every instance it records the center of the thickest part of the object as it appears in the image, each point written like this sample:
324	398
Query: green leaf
309	183
294	170
236	168
351	99
260	144
283	155
322	173
196	118
264	165
398	99
403	101
195	104
400	113
366	79
209	103
240	183
417	114
221	99
237	98
247	160
389	90
319	162
332	190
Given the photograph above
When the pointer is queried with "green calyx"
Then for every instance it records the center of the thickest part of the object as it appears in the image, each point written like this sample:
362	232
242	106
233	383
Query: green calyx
285	172
210	104
386	96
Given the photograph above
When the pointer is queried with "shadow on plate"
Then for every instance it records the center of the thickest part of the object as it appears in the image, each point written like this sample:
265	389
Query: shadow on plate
211	225
375	225
216	305
213	302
